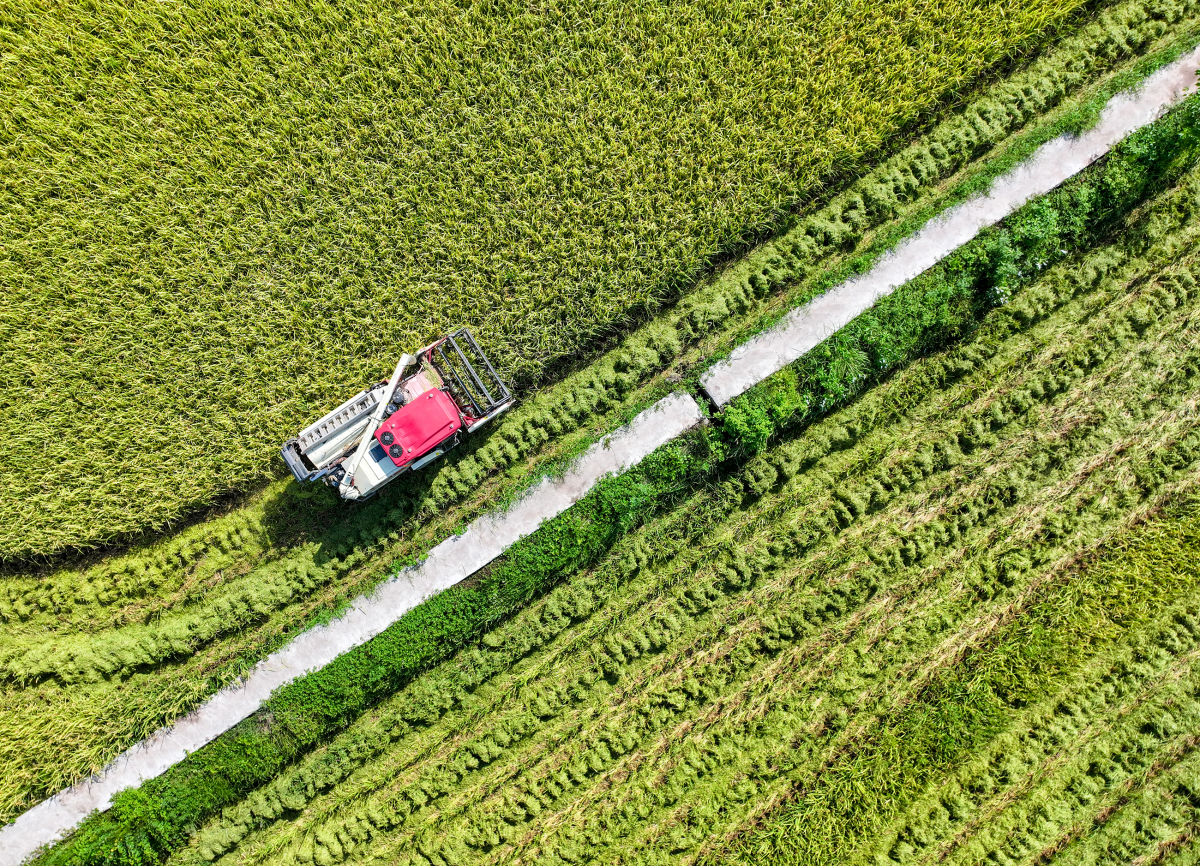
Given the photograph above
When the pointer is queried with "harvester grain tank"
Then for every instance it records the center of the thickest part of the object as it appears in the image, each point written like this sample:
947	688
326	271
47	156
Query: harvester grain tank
399	425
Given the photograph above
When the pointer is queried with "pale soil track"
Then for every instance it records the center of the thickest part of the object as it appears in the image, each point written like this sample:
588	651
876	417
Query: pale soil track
488	537
806	327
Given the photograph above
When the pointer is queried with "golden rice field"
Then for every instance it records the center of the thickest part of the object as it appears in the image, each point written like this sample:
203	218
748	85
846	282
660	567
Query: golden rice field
100	653
217	218
928	595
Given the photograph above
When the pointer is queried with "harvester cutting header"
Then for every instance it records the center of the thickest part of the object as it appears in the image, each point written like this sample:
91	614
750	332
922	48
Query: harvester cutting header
404	423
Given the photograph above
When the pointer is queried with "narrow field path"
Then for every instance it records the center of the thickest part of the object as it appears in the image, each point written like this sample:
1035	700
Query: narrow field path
1054	162
450	562
488	537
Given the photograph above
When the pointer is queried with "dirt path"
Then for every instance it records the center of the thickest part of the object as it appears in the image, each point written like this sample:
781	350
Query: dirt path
488	537
806	327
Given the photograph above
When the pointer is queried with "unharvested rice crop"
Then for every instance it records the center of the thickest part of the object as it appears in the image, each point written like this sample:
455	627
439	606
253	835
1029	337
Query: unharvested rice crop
96	657
869	642
220	217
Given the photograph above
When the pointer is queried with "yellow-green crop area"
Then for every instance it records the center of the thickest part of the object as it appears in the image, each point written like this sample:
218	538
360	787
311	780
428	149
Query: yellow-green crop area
97	655
957	621
218	219
929	594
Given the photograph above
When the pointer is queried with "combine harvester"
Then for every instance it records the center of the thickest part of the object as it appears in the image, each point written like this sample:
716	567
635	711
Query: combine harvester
402	424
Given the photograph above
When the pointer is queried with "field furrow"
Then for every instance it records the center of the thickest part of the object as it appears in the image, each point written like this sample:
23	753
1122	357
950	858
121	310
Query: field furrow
927	596
1124	726
722	658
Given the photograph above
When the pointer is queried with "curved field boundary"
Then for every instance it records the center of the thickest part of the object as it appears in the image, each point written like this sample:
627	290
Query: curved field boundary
805	328
193	612
450	562
488	537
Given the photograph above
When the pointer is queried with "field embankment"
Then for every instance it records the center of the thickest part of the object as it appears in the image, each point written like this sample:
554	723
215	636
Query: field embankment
809	628
985	458
218	218
101	656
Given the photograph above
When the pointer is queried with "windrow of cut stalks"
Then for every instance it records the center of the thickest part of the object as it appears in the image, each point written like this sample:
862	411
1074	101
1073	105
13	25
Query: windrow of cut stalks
157	816
219	217
1114	749
1037	747
732	651
99	656
902	186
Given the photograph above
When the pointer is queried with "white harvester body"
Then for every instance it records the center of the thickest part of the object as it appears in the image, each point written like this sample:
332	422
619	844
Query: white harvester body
404	423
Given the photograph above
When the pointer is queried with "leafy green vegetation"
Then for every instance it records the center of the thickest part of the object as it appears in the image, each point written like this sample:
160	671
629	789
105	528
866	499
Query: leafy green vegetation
180	617
200	196
946	303
748	532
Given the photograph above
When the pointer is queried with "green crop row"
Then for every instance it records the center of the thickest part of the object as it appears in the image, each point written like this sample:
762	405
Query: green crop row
1115	718
190	561
744	764
368	823
210	592
1000	752
877	199
337	696
311	708
601	827
1046	772
189	567
1123	746
1149	822
204	195
944	303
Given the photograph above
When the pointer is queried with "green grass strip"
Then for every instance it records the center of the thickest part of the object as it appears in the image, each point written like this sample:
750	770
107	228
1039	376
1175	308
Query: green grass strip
1123	586
146	823
947	303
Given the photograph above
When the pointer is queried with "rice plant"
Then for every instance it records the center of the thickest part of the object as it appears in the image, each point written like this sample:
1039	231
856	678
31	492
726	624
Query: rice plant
219	218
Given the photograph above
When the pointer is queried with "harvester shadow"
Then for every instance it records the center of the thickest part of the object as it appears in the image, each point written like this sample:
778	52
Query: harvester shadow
312	512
